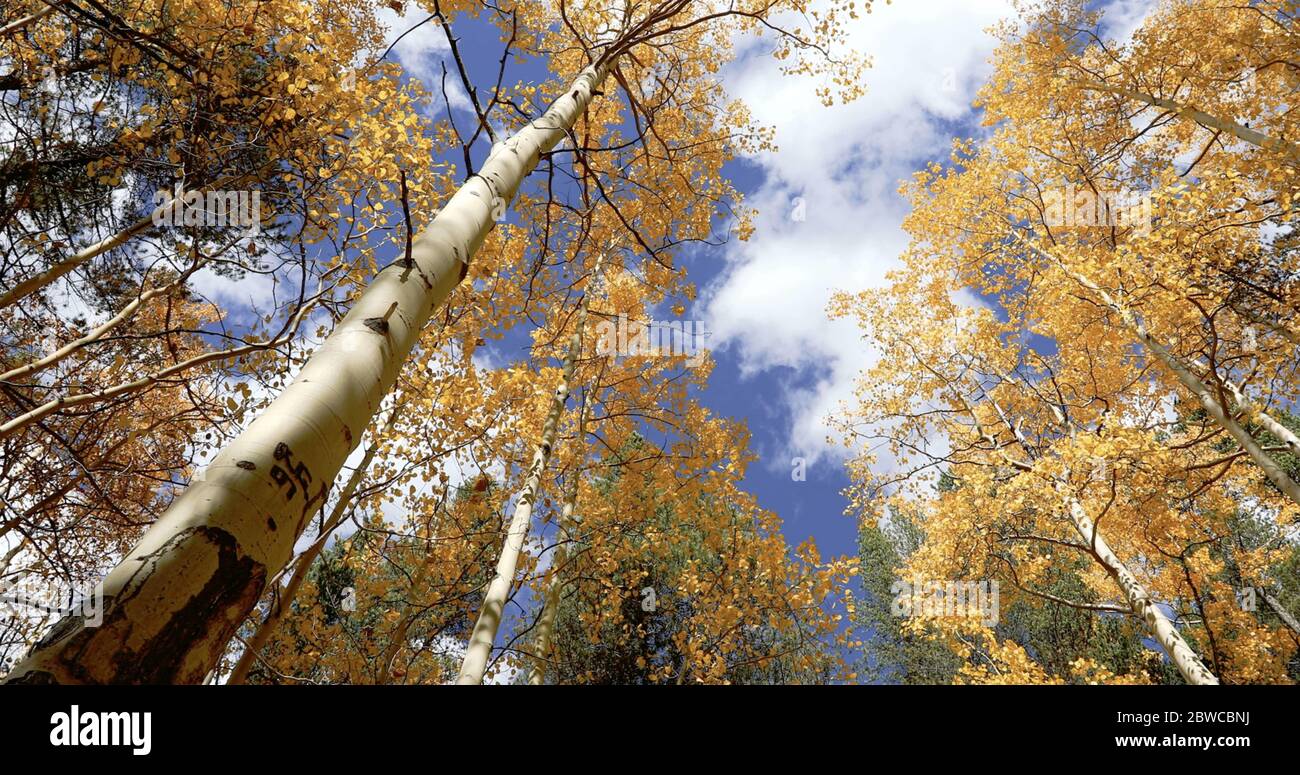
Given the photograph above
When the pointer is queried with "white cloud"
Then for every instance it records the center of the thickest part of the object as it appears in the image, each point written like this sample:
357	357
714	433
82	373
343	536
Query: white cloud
421	52
845	164
252	291
1123	17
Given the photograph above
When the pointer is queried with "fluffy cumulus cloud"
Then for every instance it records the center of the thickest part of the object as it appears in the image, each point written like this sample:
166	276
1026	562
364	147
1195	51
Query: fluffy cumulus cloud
1123	17
829	208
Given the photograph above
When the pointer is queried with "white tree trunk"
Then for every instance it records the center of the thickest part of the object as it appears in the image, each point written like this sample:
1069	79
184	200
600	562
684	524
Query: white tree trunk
1158	625
176	599
1271	425
93	335
1282	613
1238	131
14	26
554	581
1189	380
37	282
1189	665
498	592
554	589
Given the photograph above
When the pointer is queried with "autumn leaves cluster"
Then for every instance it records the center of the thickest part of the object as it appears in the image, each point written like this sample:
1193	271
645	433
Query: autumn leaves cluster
1093	412
1099	413
134	354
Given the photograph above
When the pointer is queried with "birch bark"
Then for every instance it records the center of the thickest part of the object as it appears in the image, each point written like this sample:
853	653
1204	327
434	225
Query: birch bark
17	25
1157	623
554	581
494	602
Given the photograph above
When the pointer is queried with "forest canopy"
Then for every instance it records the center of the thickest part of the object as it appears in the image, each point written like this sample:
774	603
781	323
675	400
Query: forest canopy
372	343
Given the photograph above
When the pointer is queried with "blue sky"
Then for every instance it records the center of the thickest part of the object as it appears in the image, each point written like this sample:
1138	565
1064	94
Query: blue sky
829	219
782	365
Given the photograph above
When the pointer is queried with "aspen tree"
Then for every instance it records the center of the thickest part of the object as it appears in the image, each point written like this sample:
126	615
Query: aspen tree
1029	493
104	420
554	585
61	268
204	564
1227	88
1238	131
175	599
389	603
1213	407
23	21
1281	613
1116	353
1144	607
498	591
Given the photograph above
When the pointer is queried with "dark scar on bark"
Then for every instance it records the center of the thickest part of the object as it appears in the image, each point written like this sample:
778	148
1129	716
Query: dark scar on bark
408	265
201	627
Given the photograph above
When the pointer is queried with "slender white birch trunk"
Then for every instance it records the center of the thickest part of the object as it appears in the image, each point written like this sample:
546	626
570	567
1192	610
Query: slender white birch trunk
100	395
37	282
94	335
554	581
14	26
1189	380
1238	131
494	602
1244	404
1283	433
1157	623
554	590
1277	328
1282	613
175	600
